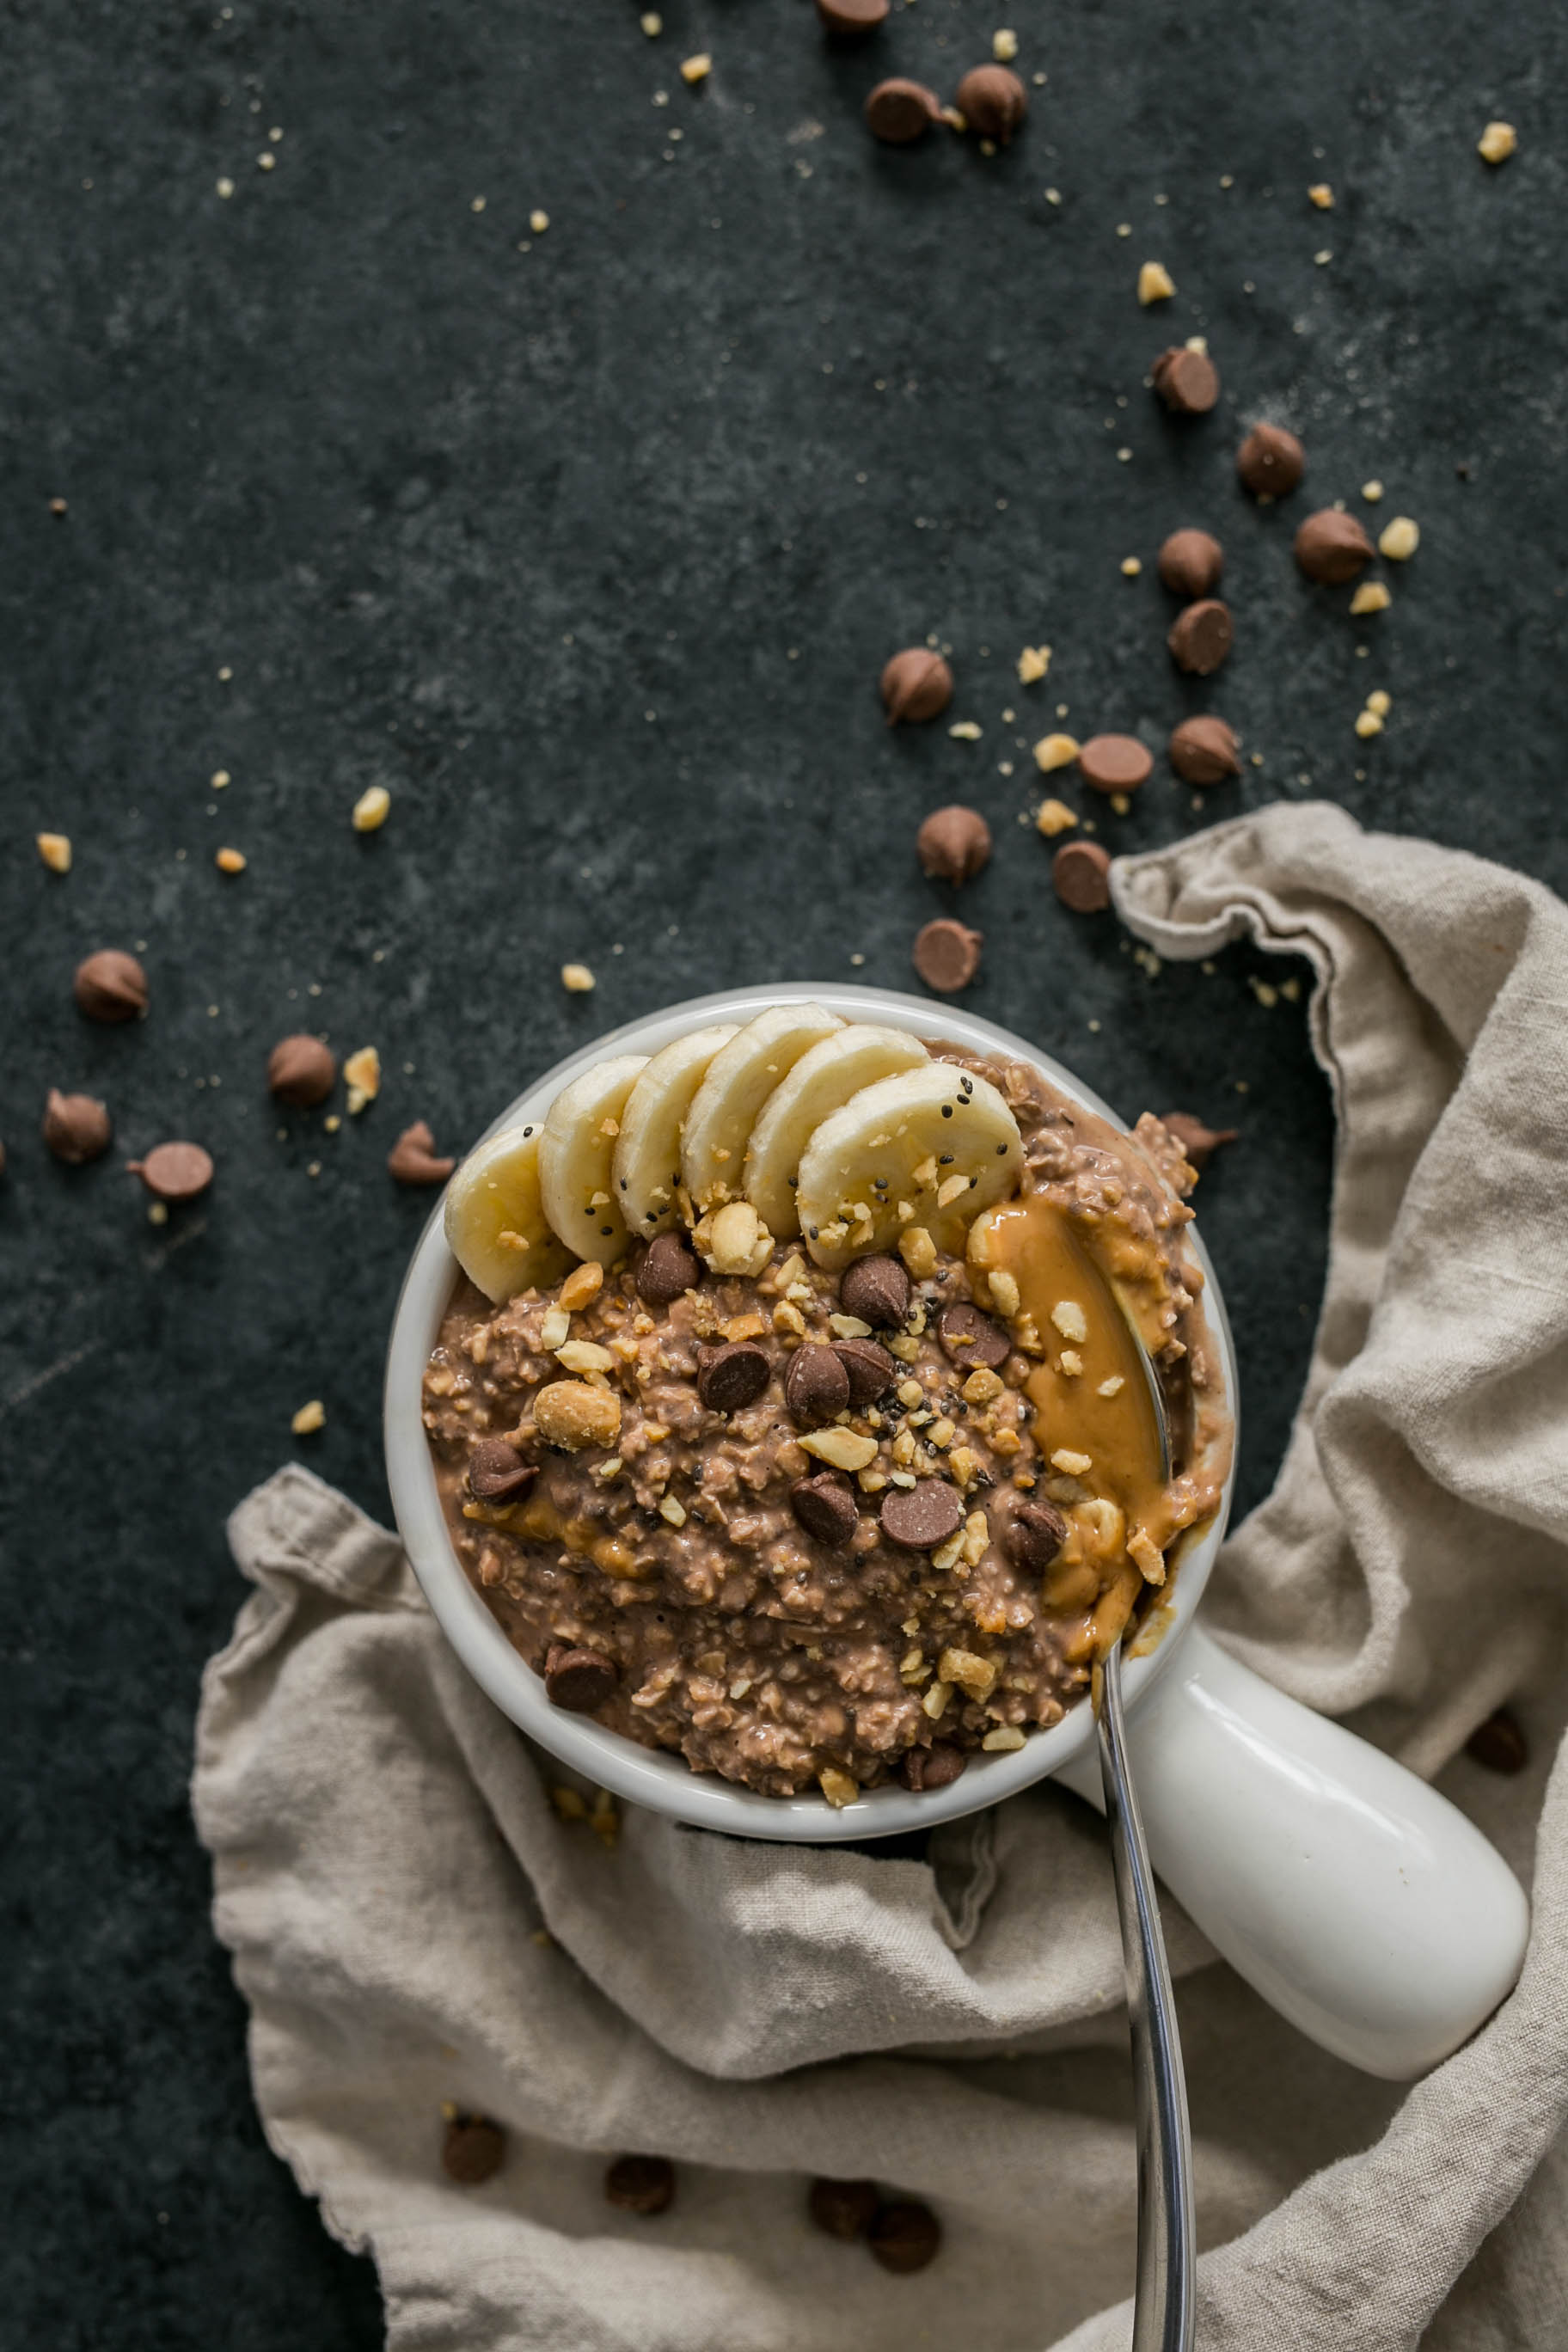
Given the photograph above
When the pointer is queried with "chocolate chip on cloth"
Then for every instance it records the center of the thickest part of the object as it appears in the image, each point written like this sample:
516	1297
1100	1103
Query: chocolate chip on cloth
174	1172
1186	381
1499	1743
946	954
1203	751
110	986
732	1375
905	2236
850	18
826	1507
1114	763
969	1338
413	1159
1201	636
1080	877
1199	1144
1270	461
915	684
668	1269
498	1473
816	1386
1190	563
578	1680
1332	547
871	1369
640	2184
921	1516
845	2208
936	1766
953	844
76	1127
876	1289
473	2150
897	112
992	101
301	1071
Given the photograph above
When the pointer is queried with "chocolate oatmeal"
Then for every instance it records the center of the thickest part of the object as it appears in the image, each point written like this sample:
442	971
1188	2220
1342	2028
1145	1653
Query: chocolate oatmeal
818	1530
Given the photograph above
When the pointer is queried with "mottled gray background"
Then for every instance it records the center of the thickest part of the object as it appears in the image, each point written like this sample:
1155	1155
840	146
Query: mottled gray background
590	553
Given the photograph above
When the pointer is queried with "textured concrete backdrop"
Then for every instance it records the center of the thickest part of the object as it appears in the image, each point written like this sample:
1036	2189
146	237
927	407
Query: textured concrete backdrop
589	545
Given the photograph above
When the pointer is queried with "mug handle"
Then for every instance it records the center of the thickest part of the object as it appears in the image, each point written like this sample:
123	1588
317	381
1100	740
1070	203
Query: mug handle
1355	1899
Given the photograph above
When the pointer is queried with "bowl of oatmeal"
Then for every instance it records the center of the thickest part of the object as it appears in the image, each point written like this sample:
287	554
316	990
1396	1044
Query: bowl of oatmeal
769	1419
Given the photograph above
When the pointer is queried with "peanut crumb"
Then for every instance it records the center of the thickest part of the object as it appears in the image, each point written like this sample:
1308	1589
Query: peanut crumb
1155	283
652	23
1054	751
1131	567
371	809
308	1419
1497	143
1071	1465
55	849
1399	539
230	861
837	1787
1054	818
1322	195
1371	596
1032	664
361	1076
1372	491
1367	724
697	68
1003	45
1380	700
576	978
964	731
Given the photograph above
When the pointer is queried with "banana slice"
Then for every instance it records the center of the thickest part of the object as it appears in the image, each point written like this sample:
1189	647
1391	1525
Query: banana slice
495	1221
741	1077
576	1153
646	1164
824	1079
931	1147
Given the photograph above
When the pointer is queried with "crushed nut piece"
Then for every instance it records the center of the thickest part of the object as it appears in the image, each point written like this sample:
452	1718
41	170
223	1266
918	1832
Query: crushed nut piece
1071	1465
1368	724
1070	1320
1371	596
974	1675
1155	283
1054	751
1322	195
1053	817
1381	700
371	809
1497	143
1399	539
539	221
697	68
1003	45
1131	567
670	1511
586	1356
583	1281
571	1414
553	1329
1145	1552
837	1787
1111	1387
1372	492
576	978
1032	664
936	1699
230	861
361	1076
983	1386
733	1240
966	730
55	849
918	1250
1001	1741
308	1419
843	1449
1004	1294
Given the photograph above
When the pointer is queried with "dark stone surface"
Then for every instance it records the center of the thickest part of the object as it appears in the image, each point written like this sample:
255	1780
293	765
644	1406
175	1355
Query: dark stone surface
592	553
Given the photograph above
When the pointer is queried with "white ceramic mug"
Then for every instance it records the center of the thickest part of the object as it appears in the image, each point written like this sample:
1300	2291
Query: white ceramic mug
1362	1905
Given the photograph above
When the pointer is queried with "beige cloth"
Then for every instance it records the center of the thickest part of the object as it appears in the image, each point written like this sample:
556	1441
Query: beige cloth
387	1853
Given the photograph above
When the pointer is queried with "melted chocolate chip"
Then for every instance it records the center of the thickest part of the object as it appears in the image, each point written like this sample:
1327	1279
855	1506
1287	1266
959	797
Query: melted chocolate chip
970	1338
731	1376
1199	1144
498	1473
905	2237
1034	1536
876	1289
579	1680
845	2208
473	2151
816	1386
931	1768
668	1269
919	1517
826	1507
871	1369
640	2184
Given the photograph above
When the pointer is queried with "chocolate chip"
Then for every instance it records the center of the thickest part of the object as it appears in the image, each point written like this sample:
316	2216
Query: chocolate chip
915	684
1499	1743
579	1680
1203	751
946	954
731	1376
970	1338
850	18
1187	382
1114	763
473	2151
301	1070
1199	1144
935	1767
844	2208
498	1473
953	844
1034	1536
1332	547
174	1172
816	1386
76	1127
1270	461
1080	876
640	2184
1201	636
1190	563
897	112
826	1507
919	1517
413	1159
905	2237
110	986
668	1268
993	102
871	1369
876	1289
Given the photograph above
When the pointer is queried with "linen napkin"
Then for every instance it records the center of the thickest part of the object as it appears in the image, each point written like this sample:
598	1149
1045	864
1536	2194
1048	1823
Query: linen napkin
418	1914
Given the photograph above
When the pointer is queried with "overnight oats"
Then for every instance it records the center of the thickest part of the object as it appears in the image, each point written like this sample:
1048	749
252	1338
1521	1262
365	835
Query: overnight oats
790	1415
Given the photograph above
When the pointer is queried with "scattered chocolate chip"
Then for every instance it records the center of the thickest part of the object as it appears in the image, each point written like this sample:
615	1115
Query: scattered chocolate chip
1270	461
919	1517
110	986
898	112
174	1172
1203	751
498	1473
931	1768
1199	1144
1114	763
1187	382
640	2184
876	1289
731	1376
668	1268
579	1680
871	1369
1080	876
850	18
946	954
473	2151
953	844
301	1071
993	102
915	684
826	1507
845	2208
76	1127
1034	1536
413	1159
905	2237
1201	636
1499	1743
816	1386
1190	563
969	1338
1332	547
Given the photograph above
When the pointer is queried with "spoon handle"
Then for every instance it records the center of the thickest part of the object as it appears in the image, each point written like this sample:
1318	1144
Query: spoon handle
1162	2316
